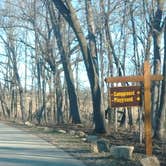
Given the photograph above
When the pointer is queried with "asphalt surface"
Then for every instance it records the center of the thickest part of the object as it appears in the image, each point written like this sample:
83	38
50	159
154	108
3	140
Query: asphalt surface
20	148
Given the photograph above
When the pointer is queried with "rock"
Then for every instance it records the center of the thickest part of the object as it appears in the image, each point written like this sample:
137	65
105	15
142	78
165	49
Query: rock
103	145
62	131
162	134
29	124
80	125
76	136
81	134
20	122
94	148
47	129
91	138
84	139
150	161
122	152
72	132
40	127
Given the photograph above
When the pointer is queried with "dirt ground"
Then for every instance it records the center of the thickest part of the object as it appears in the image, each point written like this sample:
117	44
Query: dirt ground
76	147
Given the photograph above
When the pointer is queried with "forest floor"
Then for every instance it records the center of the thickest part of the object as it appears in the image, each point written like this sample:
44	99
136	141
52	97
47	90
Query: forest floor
80	149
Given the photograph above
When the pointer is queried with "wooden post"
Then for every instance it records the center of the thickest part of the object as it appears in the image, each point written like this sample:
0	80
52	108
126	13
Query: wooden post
140	126
147	107
116	120
146	79
126	111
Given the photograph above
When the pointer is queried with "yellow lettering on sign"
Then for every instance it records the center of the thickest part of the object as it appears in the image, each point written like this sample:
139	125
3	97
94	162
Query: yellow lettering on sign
123	100
123	94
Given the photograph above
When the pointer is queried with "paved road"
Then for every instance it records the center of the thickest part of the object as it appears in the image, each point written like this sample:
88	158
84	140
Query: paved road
19	148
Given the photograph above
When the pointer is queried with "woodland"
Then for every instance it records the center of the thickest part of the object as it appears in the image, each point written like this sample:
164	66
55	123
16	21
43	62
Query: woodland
55	55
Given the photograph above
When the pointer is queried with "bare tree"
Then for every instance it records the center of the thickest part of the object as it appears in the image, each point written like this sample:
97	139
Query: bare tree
11	48
161	114
57	26
157	29
68	12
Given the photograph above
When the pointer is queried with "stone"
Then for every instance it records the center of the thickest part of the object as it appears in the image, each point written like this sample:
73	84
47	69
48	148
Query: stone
40	128
91	138
62	131
47	129
81	134
84	139
29	124
162	134
122	152
72	132
80	125
76	136
150	161
103	145
20	122
94	148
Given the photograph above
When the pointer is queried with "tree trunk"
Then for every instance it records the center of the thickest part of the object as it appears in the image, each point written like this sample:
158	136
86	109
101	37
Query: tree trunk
5	108
44	94
59	98
156	33
30	111
136	57
70	16
37	57
12	101
54	98
15	69
161	114
12	55
15	104
74	110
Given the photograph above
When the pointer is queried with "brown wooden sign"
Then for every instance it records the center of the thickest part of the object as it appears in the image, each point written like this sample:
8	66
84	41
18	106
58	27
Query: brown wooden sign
125	96
146	79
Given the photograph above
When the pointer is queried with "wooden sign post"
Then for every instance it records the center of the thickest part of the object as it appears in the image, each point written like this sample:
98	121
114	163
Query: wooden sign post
147	108
146	79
